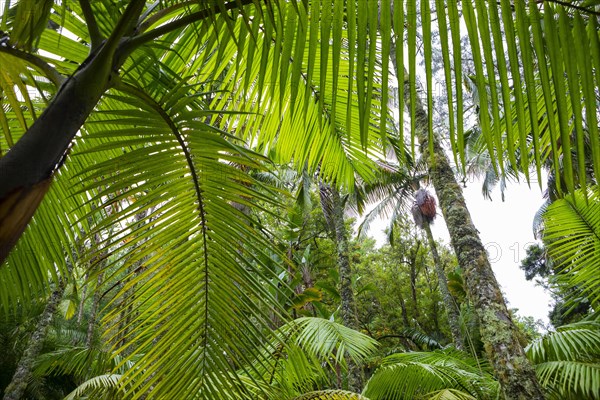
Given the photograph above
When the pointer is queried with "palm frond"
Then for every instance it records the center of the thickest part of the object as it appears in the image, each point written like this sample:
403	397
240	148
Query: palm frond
198	277
567	362
570	379
449	394
100	387
308	352
577	341
572	234
417	374
298	81
325	338
316	128
330	395
76	361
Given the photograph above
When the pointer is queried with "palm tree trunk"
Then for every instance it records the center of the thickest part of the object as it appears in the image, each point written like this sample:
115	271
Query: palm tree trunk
29	165
451	309
413	281
404	312
82	301
348	306
89	338
498	331
16	389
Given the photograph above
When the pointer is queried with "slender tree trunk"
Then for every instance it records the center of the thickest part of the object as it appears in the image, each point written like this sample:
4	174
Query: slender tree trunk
404	312
413	280
451	310
16	389
498	332
348	306
89	338
82	301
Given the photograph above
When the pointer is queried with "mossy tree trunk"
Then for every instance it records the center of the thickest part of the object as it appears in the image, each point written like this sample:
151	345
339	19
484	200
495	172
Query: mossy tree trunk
16	388
413	272
333	209
498	331
449	304
91	327
404	311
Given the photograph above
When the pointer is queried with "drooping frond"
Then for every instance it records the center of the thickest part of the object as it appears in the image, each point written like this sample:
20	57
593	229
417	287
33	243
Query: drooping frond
330	395
76	361
577	341
307	352
100	387
569	379
567	361
298	106
325	338
572	234
162	150
192	256
416	374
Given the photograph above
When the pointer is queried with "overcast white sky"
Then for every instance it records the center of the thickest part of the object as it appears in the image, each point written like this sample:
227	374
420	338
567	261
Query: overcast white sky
506	230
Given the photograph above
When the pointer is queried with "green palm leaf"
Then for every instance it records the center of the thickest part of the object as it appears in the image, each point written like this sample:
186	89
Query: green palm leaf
167	142
450	394
101	387
572	233
330	395
567	361
325	338
192	262
420	374
309	351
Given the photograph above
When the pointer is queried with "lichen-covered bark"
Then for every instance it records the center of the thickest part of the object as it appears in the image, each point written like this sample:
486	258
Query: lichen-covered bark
403	310
347	306
91	328
498	332
449	304
16	389
413	280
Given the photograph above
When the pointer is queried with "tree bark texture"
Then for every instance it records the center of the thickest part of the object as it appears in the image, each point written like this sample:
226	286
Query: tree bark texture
403	310
91	328
16	388
82	301
498	332
413	280
451	310
347	306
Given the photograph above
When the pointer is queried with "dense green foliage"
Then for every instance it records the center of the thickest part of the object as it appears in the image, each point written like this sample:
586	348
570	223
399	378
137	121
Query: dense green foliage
174	176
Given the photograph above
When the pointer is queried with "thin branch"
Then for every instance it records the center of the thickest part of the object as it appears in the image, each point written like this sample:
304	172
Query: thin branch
139	40
571	5
88	14
55	77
